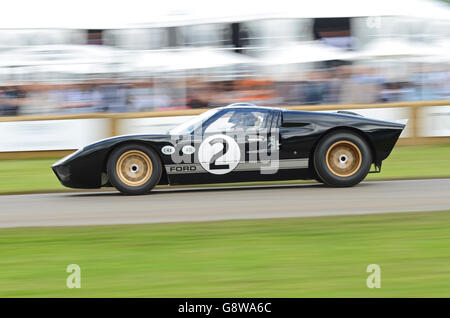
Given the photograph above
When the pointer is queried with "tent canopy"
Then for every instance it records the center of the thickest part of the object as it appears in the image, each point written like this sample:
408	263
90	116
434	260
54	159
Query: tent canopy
110	14
397	48
59	54
304	52
187	59
207	58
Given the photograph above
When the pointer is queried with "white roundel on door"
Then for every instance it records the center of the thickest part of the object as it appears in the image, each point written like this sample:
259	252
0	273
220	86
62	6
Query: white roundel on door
219	154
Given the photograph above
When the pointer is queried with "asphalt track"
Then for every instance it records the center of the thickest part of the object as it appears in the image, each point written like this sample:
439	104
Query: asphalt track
206	204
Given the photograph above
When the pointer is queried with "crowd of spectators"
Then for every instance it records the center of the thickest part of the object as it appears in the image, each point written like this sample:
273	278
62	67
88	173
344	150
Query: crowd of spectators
339	85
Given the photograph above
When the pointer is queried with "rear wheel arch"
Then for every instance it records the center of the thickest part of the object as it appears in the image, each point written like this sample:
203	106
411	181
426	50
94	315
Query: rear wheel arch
341	129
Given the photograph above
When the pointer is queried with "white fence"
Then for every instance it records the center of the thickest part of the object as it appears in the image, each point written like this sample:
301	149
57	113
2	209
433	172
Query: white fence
66	134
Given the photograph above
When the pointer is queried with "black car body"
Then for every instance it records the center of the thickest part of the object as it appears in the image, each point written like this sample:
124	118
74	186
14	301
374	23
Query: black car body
290	139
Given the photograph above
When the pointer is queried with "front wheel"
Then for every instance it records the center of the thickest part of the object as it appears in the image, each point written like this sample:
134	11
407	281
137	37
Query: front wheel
134	169
342	159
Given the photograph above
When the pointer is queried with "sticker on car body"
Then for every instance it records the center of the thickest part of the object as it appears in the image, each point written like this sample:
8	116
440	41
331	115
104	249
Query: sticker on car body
219	154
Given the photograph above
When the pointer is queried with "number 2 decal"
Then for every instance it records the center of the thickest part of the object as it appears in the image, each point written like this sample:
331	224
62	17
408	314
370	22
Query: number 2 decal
222	152
219	154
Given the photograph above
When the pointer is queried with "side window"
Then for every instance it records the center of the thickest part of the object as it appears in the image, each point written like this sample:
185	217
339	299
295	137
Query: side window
221	124
242	119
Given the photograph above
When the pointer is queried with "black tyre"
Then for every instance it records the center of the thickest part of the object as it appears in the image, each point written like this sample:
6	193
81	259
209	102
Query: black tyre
318	179
134	169
342	159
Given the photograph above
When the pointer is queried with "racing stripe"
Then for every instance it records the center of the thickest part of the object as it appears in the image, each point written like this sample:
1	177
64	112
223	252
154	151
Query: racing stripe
185	168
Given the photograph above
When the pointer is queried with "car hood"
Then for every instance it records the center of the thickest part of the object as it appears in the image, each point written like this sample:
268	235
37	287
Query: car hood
117	139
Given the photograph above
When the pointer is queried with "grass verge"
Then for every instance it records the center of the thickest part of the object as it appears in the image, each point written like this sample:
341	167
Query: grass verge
296	257
35	175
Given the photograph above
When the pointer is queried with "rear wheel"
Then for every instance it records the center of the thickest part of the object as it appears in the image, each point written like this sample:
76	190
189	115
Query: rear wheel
342	159
134	169
318	179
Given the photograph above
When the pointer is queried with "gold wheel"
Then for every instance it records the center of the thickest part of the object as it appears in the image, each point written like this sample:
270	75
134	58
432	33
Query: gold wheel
134	168
343	158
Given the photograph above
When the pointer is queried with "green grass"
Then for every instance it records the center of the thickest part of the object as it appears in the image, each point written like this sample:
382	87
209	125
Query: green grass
35	175
28	175
297	257
416	162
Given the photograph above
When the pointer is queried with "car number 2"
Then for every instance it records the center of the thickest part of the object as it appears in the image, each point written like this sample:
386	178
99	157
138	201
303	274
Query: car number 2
219	154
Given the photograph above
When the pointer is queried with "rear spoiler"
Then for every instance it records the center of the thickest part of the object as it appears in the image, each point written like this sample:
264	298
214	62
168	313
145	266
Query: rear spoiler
346	112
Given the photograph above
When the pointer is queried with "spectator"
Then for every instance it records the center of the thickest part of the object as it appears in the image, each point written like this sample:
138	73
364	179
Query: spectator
12	98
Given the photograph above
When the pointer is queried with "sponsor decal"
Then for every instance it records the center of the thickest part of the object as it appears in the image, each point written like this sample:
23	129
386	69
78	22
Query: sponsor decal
182	168
188	150
168	150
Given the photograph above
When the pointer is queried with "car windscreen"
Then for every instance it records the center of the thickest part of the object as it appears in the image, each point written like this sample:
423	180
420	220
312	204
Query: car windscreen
193	123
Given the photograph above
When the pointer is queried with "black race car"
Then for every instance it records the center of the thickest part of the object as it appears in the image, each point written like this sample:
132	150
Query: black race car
240	142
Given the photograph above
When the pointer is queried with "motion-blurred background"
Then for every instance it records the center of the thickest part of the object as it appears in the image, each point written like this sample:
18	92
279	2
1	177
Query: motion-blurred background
106	56
73	72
